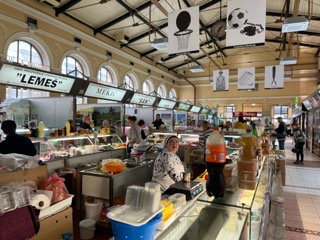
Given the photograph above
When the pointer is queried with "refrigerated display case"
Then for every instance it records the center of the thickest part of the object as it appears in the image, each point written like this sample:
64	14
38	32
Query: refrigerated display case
59	152
241	213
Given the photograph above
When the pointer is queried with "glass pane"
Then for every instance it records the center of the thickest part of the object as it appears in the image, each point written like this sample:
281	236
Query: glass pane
277	110
24	51
103	74
13	52
146	88
35	58
160	92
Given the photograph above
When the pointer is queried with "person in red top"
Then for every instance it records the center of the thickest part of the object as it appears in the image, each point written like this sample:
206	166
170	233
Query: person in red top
15	143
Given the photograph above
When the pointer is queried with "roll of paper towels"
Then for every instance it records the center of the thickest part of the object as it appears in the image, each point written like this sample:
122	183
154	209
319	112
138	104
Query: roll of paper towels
40	201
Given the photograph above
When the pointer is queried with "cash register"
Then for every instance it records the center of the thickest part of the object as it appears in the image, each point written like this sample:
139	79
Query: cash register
190	189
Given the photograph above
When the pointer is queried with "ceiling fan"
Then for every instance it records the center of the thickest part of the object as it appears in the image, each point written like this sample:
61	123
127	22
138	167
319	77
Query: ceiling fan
89	5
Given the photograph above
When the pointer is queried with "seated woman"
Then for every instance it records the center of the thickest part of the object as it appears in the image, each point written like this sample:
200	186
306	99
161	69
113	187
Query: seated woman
168	166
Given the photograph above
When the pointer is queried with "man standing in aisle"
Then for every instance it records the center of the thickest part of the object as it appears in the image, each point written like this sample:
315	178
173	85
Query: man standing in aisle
281	133
158	122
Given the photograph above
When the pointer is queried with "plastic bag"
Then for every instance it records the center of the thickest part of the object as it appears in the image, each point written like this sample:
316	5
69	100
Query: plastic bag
57	186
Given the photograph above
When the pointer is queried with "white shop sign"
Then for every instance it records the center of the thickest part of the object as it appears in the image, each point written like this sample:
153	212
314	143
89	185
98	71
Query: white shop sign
166	104
104	92
32	78
142	99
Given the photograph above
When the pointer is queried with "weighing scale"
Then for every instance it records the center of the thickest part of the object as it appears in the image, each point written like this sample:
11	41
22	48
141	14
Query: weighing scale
190	189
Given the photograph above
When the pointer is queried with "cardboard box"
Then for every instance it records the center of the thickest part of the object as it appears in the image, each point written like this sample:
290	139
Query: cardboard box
250	166
50	227
53	227
38	175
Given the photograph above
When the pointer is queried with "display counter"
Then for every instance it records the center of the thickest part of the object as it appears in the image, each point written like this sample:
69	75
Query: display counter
72	151
224	217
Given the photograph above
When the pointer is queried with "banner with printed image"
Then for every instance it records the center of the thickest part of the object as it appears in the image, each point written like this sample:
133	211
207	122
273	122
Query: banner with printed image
220	80
183	32
246	78
246	22
273	77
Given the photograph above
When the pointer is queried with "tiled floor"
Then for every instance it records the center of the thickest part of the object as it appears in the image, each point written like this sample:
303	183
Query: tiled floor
302	197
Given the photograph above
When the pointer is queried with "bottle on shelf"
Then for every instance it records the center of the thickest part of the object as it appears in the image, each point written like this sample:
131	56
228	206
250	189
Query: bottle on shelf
41	127
215	161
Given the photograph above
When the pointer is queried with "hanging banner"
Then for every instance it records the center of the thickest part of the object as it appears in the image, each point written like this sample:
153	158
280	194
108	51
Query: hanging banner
246	78
246	22
183	33
220	80
274	76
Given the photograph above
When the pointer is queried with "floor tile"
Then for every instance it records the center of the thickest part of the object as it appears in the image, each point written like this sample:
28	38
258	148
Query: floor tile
290	235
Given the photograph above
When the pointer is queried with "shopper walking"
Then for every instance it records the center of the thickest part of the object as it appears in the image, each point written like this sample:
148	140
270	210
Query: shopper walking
299	141
281	133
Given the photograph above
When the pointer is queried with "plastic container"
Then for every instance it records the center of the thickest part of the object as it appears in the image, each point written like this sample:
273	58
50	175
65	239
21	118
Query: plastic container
87	229
123	231
93	210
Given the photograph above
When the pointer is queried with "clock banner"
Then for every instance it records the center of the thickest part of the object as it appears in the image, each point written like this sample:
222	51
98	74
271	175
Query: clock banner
183	33
220	80
246	22
274	77
246	78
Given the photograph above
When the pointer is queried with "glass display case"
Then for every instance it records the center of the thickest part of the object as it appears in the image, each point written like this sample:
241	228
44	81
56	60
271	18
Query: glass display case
206	221
79	144
240	214
251	200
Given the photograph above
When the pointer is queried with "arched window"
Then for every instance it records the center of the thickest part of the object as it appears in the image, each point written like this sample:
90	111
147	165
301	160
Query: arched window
147	87
162	91
72	67
105	76
23	52
172	94
130	82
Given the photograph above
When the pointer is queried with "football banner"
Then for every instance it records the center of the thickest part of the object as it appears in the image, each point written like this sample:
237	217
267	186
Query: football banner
183	32
220	80
274	76
246	78
246	22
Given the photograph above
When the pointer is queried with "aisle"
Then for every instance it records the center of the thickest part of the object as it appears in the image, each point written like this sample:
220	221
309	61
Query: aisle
302	198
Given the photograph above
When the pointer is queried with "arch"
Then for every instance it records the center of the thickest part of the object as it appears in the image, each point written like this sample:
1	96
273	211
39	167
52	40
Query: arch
134	78
172	93
37	42
80	57
150	84
113	71
162	91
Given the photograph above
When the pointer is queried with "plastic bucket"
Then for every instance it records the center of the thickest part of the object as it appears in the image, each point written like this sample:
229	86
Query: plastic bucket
123	231
87	229
93	210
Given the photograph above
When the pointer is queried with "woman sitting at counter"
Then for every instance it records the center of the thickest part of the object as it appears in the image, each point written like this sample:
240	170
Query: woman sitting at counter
168	166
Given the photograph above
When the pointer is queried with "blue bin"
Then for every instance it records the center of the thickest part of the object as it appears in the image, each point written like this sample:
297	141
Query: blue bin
123	231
